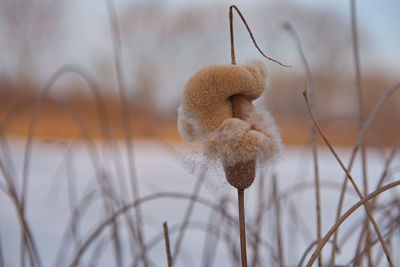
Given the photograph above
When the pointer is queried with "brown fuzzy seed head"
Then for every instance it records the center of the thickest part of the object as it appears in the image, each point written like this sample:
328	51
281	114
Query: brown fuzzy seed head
241	175
217	109
206	98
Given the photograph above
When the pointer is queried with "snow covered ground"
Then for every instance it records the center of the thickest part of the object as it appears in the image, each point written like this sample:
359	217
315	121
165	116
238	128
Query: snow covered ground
56	169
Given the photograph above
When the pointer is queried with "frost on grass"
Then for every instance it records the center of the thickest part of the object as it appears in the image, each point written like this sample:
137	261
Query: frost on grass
206	115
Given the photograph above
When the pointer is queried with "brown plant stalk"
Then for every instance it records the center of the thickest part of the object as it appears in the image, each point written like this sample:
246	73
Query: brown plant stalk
241	175
372	115
350	211
367	208
310	86
167	244
357	69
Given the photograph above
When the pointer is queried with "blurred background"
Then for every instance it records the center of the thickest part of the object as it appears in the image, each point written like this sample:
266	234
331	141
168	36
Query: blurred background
164	42
81	78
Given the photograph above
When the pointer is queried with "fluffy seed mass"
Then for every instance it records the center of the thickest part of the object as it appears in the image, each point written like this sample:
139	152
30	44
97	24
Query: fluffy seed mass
206	114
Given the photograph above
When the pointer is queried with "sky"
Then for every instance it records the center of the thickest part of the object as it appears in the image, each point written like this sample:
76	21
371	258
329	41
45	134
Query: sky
87	33
379	18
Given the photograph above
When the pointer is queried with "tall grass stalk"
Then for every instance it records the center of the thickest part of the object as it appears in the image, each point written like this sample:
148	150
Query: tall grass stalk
314	148
366	206
117	50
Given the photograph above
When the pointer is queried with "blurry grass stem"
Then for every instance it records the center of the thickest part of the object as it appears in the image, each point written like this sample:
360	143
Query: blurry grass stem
92	150
367	209
372	115
242	225
241	175
343	218
310	87
278	221
250	33
358	81
116	37
259	220
167	244
188	212
126	208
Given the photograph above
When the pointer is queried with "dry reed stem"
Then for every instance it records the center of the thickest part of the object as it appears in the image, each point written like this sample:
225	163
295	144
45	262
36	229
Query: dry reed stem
231	225
188	213
210	242
310	87
116	38
259	220
357	68
351	231
27	239
77	212
364	251
387	164
242	225
278	220
91	147
11	190
72	195
123	210
37	108
97	252
358	261
300	226
307	185
102	180
34	116
212	229
167	244
350	211
367	209
241	176
6	151
231	8
360	119
308	249
372	115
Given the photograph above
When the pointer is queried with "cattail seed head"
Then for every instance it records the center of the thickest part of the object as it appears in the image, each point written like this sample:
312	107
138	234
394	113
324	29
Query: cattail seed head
217	109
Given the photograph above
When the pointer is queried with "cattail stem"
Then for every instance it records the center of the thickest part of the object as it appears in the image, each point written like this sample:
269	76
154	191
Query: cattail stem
167	244
240	175
242	226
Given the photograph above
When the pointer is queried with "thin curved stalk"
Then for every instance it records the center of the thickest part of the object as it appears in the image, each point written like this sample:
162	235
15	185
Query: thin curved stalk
310	88
34	116
372	115
259	220
242	225
363	151
343	218
210	244
98	230
308	249
278	221
117	47
27	239
188	213
167	244
367	209
231	8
